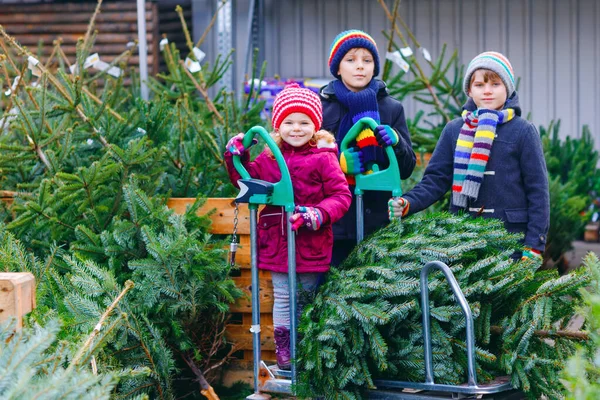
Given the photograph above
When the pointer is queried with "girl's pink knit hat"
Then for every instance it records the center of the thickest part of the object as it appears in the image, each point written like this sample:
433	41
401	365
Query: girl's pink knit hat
294	99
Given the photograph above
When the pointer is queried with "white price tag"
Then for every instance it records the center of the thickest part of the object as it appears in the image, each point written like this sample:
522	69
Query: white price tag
163	43
192	66
14	85
32	63
406	51
91	60
426	54
104	66
199	54
397	59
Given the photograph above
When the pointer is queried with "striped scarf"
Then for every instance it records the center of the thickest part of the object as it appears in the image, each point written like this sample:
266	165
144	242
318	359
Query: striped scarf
473	151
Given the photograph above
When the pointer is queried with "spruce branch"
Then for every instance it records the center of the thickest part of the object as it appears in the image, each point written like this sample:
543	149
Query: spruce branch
437	104
209	103
75	362
211	23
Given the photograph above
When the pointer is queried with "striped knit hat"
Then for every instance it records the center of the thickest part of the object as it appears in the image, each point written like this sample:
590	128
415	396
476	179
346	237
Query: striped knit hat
294	99
346	41
494	62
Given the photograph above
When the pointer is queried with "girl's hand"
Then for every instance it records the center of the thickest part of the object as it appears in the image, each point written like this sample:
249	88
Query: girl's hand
397	207
235	145
309	217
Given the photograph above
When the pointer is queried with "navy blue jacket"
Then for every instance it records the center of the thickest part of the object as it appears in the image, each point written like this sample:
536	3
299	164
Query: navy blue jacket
515	183
391	113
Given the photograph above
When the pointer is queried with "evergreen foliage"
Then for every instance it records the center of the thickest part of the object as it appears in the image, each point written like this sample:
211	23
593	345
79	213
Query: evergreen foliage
34	365
581	375
574	175
365	322
93	165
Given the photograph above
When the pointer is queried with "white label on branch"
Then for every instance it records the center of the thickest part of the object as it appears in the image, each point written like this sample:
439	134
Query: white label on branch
103	66
199	54
14	85
192	66
163	43
91	60
406	51
397	59
74	68
32	63
426	54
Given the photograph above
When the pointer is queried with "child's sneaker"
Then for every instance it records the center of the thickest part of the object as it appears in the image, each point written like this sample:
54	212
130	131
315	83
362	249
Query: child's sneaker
282	347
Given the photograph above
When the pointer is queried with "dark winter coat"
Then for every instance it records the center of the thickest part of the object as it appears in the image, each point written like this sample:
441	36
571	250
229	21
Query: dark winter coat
391	113
318	181
515	183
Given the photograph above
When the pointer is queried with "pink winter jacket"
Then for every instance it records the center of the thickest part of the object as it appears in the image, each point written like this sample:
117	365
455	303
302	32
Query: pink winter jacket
318	181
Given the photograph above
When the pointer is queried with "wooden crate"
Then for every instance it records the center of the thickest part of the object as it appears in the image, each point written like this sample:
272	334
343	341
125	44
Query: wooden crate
38	25
17	295
222	224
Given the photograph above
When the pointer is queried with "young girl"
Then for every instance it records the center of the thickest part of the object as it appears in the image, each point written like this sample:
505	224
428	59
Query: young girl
491	159
355	93
321	196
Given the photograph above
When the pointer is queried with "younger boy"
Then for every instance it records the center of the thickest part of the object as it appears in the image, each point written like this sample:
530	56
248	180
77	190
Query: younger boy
354	62
491	158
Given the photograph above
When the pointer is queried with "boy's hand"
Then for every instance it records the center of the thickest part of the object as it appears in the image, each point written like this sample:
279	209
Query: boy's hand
309	217
352	161
386	136
397	207
532	254
235	145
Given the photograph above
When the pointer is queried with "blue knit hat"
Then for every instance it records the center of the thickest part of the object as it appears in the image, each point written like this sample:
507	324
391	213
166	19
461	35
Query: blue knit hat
346	41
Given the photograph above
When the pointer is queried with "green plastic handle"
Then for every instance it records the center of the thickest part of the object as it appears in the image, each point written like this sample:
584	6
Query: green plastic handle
283	191
384	180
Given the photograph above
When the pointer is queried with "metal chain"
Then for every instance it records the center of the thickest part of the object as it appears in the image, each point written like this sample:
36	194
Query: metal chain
234	240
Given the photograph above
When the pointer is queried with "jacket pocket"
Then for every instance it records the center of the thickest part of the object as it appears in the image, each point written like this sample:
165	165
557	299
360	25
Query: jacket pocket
269	235
315	246
516	219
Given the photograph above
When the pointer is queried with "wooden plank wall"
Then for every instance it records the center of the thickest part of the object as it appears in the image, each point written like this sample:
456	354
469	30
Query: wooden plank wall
38	25
238	330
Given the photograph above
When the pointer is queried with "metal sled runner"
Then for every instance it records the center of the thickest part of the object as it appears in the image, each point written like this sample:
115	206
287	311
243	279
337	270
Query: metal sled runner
257	192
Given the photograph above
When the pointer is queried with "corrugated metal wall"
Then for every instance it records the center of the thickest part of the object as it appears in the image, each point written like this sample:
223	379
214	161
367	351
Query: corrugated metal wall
554	45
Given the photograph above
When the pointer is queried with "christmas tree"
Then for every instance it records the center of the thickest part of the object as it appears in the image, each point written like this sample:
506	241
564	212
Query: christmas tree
365	322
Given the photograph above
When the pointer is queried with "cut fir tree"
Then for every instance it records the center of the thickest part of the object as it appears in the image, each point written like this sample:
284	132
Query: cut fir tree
365	322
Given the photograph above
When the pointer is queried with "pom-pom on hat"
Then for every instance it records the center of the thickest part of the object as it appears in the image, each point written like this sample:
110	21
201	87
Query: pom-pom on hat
294	99
493	61
346	41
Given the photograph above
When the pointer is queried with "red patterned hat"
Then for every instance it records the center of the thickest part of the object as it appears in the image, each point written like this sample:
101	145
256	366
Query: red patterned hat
294	99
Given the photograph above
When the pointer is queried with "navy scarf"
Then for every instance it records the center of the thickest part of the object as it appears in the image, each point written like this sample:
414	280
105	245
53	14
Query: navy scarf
359	104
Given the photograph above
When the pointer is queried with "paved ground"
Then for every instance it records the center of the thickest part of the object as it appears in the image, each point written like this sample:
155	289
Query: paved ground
580	249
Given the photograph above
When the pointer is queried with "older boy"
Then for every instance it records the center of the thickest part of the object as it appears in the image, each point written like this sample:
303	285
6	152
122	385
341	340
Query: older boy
491	159
354	62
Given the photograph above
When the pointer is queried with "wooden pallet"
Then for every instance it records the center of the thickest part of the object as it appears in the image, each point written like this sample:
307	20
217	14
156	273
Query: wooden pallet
238	331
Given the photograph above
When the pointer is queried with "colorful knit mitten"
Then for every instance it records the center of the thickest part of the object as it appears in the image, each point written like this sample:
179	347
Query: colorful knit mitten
386	136
309	217
532	254
397	207
351	161
235	145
